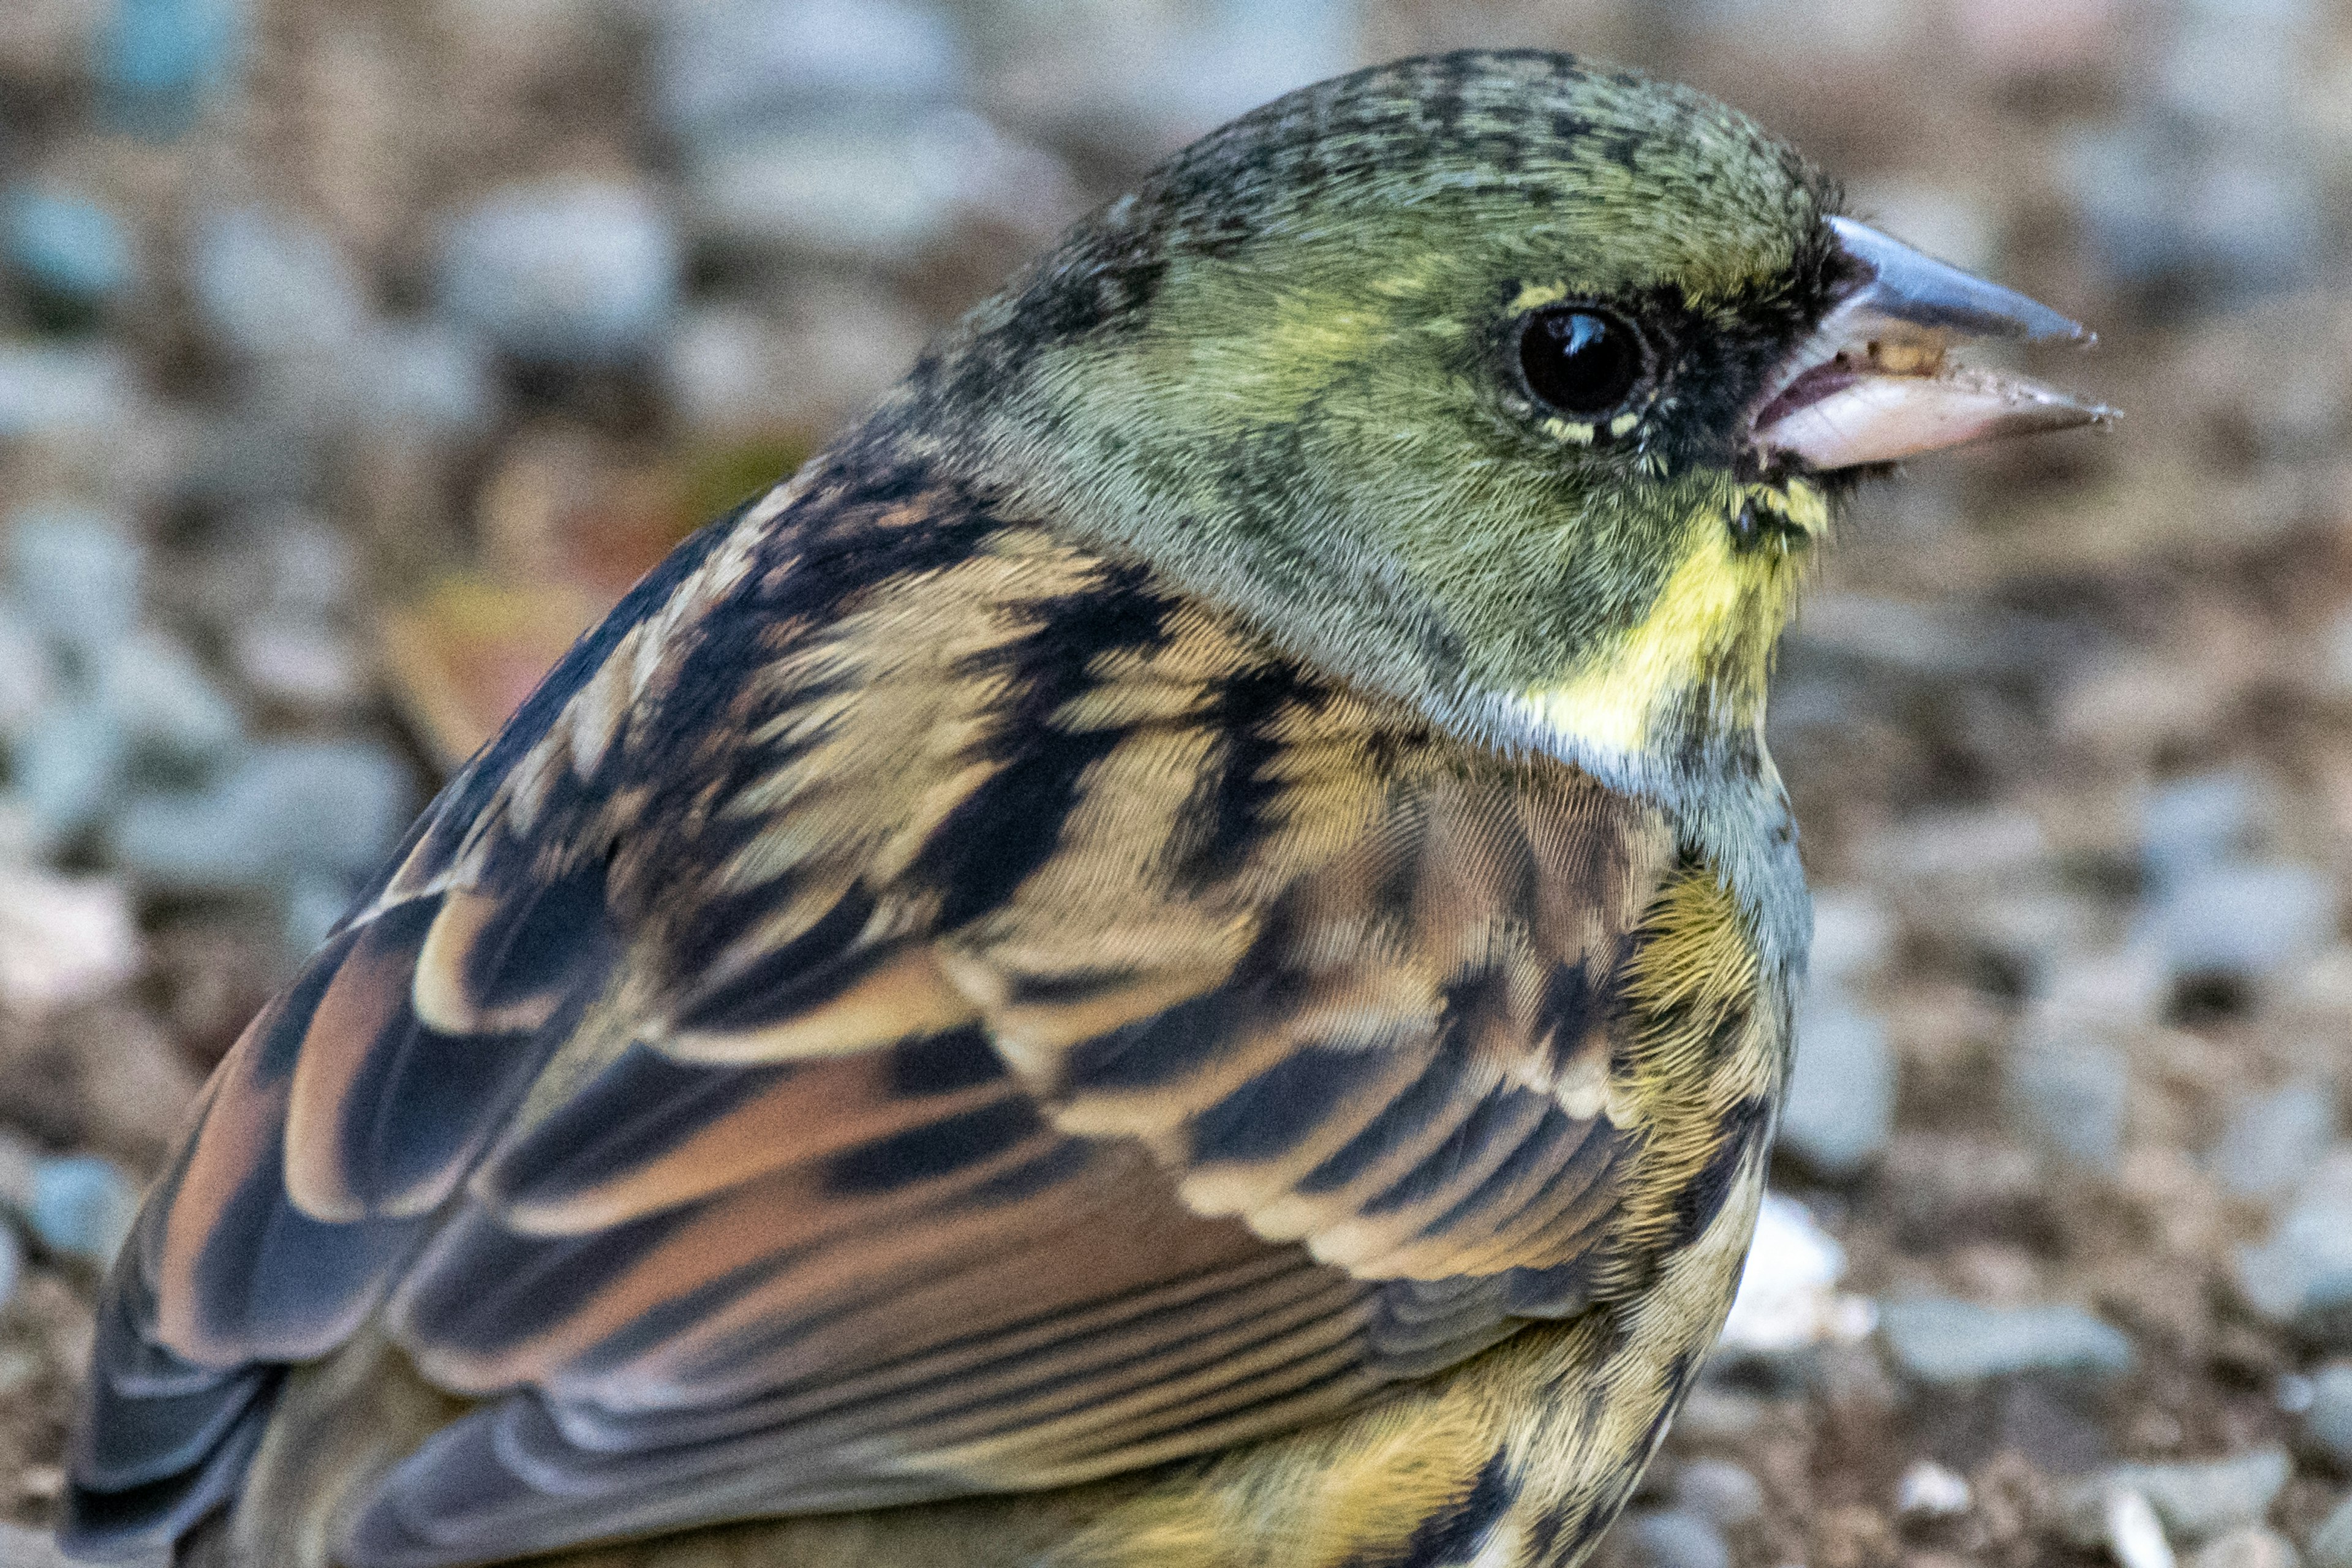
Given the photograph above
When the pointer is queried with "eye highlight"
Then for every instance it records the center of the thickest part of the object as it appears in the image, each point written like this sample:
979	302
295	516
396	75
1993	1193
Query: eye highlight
1582	360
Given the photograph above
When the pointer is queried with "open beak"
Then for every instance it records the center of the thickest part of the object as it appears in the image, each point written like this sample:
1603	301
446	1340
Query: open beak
1875	381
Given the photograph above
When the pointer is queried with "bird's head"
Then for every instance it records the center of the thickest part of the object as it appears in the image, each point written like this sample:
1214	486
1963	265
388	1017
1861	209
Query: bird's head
1517	387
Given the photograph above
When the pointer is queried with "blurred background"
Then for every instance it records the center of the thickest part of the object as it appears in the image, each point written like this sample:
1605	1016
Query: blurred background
354	353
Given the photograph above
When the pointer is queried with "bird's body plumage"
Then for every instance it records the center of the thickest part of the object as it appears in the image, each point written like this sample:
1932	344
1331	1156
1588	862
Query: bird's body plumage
1081	984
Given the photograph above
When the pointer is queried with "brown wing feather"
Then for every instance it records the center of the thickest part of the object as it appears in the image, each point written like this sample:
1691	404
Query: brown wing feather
916	1009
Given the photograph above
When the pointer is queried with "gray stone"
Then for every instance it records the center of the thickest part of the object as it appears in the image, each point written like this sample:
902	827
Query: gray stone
82	389
82	1205
1841	1107
2301	1276
70	766
2241	919
1853	933
161	62
1940	1341
66	244
2328	1421
571	270
2330	1545
167	709
716	67
273	286
29	673
2271	1141
1673	1538
2188	824
2068	1089
2196	1499
1718	1491
2248	1546
289	809
864	191
77	571
428	376
12	1262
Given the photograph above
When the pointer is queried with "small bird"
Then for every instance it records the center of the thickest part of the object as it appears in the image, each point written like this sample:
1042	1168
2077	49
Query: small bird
1176	954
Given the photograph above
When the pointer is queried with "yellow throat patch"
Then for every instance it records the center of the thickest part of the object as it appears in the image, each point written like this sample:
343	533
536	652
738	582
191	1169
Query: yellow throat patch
1710	630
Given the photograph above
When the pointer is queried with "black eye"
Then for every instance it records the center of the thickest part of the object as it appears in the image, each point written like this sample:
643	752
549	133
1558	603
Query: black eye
1583	361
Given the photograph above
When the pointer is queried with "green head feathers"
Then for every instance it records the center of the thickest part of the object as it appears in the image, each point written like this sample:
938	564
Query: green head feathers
1447	374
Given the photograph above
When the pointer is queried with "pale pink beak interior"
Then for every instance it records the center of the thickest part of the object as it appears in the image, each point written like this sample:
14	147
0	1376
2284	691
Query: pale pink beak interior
1876	382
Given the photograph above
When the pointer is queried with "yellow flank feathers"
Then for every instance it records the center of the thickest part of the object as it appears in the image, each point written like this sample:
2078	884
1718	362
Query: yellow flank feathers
1712	625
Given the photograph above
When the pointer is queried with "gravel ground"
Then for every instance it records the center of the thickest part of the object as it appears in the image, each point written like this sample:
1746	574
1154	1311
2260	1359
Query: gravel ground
354	352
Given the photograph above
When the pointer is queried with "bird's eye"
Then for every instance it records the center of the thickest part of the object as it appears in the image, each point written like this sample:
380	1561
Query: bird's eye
1583	361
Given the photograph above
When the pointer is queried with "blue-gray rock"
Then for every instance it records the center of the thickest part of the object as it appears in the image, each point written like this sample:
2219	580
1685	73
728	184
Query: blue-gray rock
2328	1421
66	244
877	190
2271	1141
83	388
82	1205
717	68
1841	1105
2243	921
273	286
77	571
2196	1499
1940	1341
2301	1276
171	713
160	62
2191	824
1672	1537
571	270
2330	1545
289	809
1718	1491
2067	1089
12	1262
68	769
429	376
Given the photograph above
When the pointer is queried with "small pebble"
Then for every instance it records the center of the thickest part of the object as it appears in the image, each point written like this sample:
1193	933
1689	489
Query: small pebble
572	270
65	246
160	62
1929	1491
2327	1418
2330	1545
63	940
2196	1499
271	284
1718	1491
1840	1110
2243	921
83	389
2068	1089
2271	1141
1944	1342
2130	1529
76	572
1673	1538
82	1205
288	808
167	707
2301	1276
1787	1298
2188	824
2248	1546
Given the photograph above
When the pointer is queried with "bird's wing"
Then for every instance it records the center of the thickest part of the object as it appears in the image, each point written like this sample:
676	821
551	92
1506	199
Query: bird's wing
910	1008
